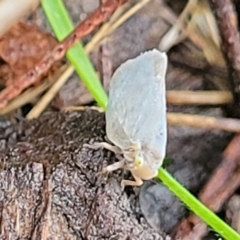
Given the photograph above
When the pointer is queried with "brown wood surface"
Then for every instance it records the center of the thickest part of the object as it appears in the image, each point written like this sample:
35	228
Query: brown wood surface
48	183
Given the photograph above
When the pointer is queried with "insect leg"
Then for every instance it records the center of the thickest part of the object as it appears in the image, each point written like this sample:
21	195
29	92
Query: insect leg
113	167
105	145
138	182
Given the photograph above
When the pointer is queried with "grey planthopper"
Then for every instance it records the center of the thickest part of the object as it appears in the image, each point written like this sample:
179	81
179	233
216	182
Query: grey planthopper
136	120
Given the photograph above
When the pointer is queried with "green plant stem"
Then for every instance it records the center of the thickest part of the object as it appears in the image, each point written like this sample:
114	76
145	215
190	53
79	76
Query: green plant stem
62	25
197	207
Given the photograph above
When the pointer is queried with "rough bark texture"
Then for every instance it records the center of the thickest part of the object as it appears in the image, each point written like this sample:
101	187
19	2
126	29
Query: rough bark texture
48	186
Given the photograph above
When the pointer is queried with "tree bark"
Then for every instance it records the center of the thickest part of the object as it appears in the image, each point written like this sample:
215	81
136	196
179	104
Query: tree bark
48	183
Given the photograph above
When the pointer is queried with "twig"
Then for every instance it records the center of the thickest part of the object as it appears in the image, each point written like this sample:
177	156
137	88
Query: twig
203	32
30	94
199	97
47	98
228	25
226	178
115	21
82	108
178	29
226	124
102	32
222	174
198	65
128	14
221	186
226	191
83	29
199	228
25	98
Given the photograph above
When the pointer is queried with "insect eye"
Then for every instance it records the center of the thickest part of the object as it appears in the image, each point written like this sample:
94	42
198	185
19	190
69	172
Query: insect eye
138	162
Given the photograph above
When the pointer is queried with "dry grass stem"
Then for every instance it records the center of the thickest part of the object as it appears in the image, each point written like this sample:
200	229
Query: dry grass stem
115	21
47	98
25	98
81	108
30	94
32	75
199	97
192	120
178	29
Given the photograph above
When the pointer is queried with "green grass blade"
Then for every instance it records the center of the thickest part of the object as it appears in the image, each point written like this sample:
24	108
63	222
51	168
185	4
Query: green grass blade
197	207
62	26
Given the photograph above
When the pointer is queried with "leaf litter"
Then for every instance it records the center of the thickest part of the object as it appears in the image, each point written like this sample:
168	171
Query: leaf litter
146	28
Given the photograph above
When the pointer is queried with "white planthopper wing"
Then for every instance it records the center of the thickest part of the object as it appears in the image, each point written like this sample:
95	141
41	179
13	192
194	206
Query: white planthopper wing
136	110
